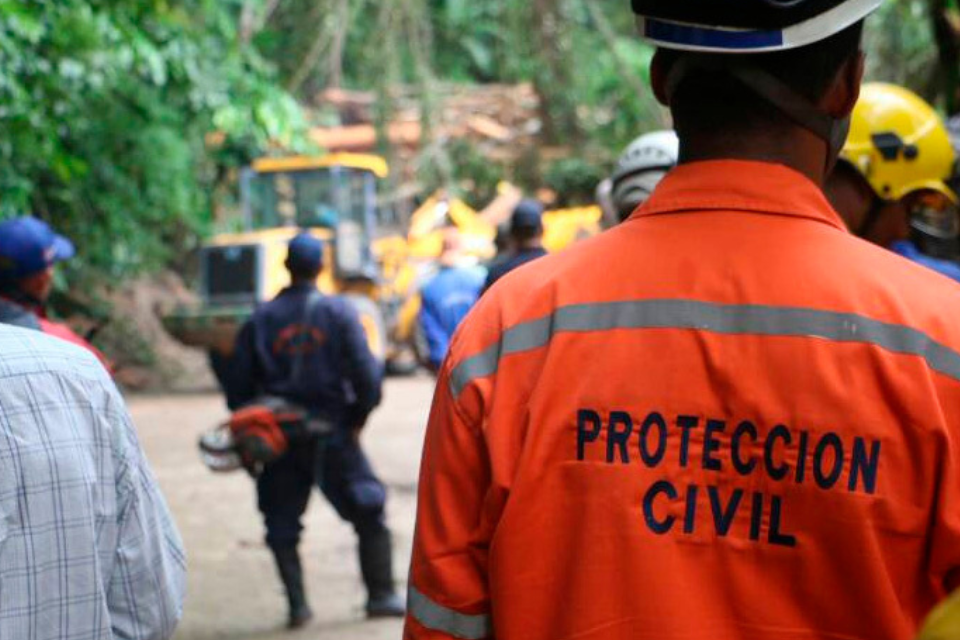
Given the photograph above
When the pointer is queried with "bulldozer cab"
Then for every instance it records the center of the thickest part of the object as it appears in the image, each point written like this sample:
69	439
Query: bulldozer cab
337	192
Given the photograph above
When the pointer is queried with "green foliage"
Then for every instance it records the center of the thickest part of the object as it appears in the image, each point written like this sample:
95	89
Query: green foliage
575	181
104	109
478	176
107	106
900	46
582	56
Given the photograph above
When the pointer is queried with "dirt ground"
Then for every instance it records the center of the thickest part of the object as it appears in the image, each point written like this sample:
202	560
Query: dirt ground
233	589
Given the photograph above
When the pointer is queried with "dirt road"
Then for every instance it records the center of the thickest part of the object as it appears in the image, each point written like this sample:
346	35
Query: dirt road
233	589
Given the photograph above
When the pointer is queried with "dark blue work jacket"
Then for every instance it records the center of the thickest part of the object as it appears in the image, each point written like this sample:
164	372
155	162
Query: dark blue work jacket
339	379
504	265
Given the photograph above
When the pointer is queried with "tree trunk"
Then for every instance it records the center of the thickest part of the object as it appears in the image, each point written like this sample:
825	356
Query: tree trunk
595	10
250	23
335	69
554	82
308	63
946	30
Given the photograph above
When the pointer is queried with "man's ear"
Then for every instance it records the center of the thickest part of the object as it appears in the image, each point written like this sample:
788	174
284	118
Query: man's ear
658	78
845	91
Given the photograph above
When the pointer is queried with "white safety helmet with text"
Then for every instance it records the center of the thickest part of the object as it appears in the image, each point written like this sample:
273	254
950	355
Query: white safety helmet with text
718	29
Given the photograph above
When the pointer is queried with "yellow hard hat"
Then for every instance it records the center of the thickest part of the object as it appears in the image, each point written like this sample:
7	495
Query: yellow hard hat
944	622
899	143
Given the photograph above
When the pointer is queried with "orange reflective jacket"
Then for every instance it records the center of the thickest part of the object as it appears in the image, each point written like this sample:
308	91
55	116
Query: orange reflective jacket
726	418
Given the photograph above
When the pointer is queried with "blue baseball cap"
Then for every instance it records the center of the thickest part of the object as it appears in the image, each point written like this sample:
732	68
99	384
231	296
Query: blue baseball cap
305	253
528	215
28	246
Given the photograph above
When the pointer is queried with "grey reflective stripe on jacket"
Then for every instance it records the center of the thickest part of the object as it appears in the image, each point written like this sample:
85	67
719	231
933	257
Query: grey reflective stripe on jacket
13	314
710	317
445	620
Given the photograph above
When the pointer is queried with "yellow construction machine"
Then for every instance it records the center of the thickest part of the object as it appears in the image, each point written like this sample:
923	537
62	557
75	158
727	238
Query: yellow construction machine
374	258
335	198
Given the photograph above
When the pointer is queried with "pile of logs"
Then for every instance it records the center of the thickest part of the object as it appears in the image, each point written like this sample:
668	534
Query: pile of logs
500	118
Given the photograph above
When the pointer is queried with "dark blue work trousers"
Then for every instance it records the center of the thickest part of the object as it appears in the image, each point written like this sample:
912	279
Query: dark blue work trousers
338	466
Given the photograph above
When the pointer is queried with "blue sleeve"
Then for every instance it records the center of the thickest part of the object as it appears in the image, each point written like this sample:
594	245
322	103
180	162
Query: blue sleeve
437	339
360	367
910	251
240	378
943	267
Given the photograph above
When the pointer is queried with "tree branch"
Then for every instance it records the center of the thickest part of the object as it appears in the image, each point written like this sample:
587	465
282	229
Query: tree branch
629	76
309	62
335	78
250	24
948	46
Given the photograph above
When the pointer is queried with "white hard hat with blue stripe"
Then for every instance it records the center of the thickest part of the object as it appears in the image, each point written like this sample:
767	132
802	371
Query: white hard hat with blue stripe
746	26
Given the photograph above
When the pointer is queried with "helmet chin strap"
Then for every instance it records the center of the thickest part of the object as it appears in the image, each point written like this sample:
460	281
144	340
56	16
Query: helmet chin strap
785	99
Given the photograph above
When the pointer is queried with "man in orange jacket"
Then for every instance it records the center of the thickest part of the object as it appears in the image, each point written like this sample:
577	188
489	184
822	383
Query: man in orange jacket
726	418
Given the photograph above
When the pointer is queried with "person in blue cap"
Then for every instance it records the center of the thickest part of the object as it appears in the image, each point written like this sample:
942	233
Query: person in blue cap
29	251
311	349
526	239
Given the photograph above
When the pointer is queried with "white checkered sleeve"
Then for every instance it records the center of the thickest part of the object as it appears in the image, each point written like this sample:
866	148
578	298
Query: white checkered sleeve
88	550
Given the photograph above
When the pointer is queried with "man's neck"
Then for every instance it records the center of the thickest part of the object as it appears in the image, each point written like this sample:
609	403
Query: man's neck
532	245
303	283
19	298
793	147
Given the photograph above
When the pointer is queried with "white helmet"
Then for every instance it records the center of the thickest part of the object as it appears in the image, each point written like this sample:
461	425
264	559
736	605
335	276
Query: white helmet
641	167
718	28
746	26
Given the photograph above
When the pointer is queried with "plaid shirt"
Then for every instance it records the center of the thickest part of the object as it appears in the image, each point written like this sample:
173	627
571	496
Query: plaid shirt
88	550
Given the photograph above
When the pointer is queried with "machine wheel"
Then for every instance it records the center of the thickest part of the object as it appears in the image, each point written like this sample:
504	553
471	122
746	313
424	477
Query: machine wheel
403	365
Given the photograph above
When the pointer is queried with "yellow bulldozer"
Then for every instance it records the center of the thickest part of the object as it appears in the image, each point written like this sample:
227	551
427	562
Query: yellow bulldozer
374	258
335	198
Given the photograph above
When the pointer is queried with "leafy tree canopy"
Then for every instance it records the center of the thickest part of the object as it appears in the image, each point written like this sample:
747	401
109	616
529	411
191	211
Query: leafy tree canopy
104	111
123	121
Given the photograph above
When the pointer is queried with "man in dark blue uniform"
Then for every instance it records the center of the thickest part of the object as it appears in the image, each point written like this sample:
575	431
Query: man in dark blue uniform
526	239
311	350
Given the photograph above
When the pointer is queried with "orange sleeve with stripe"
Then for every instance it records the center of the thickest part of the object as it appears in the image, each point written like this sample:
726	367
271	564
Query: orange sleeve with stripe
448	595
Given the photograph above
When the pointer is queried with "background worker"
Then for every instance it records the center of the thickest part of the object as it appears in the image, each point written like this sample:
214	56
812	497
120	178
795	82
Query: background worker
891	185
640	169
29	251
88	549
448	297
603	195
526	241
337	380
693	424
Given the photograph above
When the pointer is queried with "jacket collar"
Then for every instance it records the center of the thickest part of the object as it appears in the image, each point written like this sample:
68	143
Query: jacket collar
17	315
301	288
740	185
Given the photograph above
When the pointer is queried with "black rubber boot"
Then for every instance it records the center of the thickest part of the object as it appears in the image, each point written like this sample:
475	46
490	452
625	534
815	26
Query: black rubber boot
291	573
376	565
